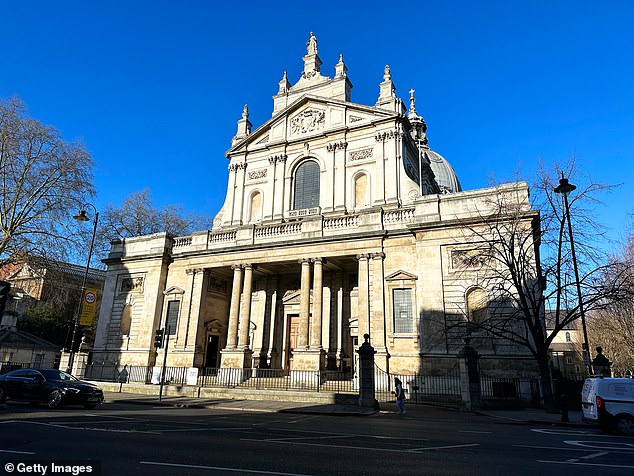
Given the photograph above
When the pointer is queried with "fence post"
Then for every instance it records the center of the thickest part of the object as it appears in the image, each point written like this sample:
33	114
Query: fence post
469	377
366	373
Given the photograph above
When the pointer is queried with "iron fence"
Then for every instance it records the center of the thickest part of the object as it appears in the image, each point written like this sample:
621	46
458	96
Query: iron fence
9	366
441	389
108	372
277	379
499	388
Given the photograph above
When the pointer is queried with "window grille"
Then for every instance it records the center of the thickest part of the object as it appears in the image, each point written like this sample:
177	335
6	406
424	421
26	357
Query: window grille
172	317
307	185
403	316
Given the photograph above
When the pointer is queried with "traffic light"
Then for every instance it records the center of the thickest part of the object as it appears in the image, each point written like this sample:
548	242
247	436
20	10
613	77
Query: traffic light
158	338
5	286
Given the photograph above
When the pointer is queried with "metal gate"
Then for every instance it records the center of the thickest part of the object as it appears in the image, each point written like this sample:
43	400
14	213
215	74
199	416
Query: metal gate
441	389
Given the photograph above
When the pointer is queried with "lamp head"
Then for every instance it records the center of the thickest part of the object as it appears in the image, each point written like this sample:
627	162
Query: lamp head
564	186
81	216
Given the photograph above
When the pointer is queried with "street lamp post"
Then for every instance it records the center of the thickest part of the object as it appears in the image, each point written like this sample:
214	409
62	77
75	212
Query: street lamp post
564	188
81	216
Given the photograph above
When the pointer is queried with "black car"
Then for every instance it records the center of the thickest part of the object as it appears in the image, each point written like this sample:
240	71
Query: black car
51	386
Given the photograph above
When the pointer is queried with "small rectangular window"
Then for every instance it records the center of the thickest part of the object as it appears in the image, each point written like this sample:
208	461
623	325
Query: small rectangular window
171	320
39	361
403	316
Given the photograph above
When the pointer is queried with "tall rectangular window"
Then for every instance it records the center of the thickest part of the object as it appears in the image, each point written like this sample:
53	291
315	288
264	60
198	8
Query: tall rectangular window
402	306
172	317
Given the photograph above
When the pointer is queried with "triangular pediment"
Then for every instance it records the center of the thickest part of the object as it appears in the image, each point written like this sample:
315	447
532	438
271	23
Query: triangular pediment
174	290
293	297
25	271
307	116
401	275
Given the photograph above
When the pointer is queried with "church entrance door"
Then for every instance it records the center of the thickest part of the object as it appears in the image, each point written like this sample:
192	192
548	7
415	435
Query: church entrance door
292	335
211	356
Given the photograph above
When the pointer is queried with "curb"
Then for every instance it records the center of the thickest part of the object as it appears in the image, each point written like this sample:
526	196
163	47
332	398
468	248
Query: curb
515	421
216	406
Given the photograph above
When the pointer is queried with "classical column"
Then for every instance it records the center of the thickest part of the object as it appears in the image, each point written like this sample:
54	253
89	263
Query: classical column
228	217
234	310
242	178
304	305
194	304
318	289
364	302
245	310
377	320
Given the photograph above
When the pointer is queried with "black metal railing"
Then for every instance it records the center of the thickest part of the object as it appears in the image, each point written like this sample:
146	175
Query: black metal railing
441	389
499	388
9	366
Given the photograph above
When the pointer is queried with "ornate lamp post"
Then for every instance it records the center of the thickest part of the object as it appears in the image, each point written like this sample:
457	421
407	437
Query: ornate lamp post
81	216
564	188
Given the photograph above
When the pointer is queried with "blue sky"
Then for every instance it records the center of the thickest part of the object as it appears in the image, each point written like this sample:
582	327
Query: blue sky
154	88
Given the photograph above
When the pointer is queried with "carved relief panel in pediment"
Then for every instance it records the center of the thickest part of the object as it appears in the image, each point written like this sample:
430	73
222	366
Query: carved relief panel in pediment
309	120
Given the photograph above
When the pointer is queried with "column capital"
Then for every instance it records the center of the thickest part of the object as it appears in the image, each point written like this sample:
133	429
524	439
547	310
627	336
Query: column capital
304	261
362	257
319	260
250	266
379	255
194	271
236	267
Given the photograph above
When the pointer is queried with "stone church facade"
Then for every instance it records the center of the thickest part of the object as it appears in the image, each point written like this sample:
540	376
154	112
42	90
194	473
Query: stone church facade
338	221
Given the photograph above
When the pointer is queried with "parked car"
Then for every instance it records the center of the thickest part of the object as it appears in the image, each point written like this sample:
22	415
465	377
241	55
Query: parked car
609	402
54	387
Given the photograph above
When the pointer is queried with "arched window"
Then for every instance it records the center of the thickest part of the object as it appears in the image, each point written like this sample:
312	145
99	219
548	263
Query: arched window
256	207
306	185
477	305
361	191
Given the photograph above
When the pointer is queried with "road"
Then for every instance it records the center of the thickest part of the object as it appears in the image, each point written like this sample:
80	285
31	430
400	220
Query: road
127	439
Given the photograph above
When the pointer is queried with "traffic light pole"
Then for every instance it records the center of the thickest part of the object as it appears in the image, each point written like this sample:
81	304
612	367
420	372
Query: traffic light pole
167	343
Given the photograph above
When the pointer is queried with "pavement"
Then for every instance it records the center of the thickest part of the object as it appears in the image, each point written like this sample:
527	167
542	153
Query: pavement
530	416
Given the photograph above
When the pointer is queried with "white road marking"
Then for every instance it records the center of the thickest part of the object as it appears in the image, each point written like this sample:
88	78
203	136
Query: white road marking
426	448
549	431
290	438
53	425
387	450
562	448
587	464
204	429
300	420
596	445
473	431
18	452
593	455
218	468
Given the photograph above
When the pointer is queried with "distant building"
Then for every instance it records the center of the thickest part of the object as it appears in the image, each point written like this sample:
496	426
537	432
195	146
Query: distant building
338	221
43	283
565	350
19	349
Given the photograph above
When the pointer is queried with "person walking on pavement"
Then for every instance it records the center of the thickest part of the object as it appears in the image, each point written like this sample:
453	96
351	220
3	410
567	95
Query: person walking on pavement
400	396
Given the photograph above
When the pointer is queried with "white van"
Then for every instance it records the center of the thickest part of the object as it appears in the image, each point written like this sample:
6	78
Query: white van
609	402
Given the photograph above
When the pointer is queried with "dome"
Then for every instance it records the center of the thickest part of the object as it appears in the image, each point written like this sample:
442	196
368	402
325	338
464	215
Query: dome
445	175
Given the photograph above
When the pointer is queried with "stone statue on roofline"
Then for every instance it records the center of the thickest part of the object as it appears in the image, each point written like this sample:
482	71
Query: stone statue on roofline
311	44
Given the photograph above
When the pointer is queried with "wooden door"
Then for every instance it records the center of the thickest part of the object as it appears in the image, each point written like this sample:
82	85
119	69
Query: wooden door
292	336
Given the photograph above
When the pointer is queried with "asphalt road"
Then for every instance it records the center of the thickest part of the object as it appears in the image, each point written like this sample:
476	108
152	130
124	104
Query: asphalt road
126	439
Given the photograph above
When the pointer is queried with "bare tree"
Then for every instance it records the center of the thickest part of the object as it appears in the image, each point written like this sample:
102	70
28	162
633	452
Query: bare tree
44	179
521	247
612	328
137	216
